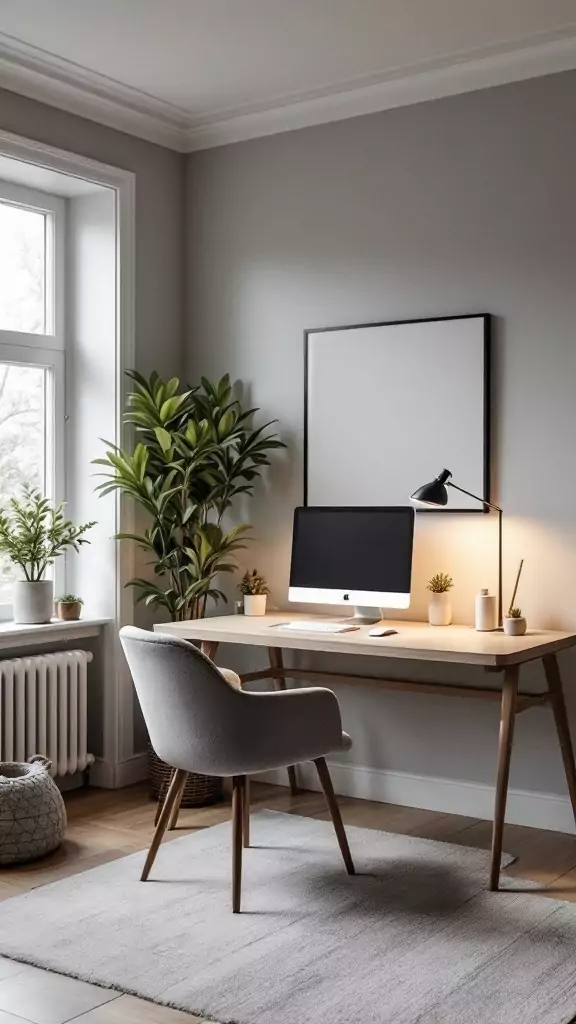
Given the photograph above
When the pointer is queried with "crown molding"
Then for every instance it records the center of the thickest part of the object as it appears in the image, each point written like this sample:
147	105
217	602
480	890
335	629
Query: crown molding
41	76
60	83
413	85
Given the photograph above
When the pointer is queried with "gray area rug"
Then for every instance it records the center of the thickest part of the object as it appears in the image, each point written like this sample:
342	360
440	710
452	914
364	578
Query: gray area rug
414	938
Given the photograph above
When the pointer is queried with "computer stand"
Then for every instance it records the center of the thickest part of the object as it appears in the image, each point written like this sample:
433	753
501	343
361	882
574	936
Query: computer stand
365	616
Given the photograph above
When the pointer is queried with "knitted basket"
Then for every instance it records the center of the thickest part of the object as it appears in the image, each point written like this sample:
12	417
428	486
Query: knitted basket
32	812
198	791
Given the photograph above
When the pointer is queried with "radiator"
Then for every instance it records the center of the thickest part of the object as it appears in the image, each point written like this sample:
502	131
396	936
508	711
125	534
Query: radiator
43	710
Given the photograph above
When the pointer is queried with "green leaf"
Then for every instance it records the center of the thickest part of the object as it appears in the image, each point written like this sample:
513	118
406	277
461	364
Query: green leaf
164	439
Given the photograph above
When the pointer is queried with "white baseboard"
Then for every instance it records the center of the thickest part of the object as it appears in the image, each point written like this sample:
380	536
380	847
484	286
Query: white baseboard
116	776
451	796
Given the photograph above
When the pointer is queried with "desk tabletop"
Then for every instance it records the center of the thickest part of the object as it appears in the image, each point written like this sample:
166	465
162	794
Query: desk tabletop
414	641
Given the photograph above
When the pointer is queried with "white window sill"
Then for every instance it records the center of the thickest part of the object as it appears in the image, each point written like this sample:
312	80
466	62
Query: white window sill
13	634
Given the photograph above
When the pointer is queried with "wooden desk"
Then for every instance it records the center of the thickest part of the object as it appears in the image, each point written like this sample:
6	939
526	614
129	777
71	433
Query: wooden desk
500	655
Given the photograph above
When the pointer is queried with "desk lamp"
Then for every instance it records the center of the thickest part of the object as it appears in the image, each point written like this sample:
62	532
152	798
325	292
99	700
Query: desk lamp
435	493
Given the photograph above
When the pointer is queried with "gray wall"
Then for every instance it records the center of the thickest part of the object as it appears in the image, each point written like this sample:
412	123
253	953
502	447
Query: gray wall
464	205
159	217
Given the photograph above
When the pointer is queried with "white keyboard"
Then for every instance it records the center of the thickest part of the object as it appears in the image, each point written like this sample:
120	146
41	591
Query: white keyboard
315	626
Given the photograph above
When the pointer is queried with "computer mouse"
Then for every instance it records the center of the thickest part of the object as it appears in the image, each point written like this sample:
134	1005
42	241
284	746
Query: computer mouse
382	631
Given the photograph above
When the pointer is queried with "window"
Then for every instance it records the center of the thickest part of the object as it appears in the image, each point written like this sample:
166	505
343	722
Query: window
31	349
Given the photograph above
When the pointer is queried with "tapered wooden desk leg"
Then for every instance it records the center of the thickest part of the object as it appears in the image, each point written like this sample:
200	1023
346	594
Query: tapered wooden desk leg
276	661
174	793
209	648
238	792
554	680
246	813
507	719
326	782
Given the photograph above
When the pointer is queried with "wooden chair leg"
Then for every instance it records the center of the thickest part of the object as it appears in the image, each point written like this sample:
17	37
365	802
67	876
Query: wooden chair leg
175	791
246	813
326	782
507	719
554	680
238	790
176	807
276	661
162	794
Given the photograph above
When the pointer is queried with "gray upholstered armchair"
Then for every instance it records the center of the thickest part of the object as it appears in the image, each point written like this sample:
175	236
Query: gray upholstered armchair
198	721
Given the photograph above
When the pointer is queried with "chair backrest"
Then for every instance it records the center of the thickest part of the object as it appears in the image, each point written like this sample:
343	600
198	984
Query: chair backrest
188	706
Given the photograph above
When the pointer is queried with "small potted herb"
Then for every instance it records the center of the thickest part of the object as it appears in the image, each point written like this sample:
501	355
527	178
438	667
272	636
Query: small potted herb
69	607
439	606
514	622
255	590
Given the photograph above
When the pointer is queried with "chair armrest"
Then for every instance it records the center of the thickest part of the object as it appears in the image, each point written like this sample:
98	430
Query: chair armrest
288	726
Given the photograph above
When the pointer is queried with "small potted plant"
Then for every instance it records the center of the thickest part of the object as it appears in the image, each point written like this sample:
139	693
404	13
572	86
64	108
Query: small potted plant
255	590
514	622
439	606
69	607
33	533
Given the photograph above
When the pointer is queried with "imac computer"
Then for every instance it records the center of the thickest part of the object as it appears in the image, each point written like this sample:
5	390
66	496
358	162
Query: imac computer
358	557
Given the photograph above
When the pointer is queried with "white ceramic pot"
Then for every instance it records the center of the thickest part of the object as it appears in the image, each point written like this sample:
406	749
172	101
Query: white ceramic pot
254	604
33	602
515	627
440	610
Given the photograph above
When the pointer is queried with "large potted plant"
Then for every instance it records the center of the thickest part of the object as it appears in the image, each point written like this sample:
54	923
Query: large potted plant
195	451
33	533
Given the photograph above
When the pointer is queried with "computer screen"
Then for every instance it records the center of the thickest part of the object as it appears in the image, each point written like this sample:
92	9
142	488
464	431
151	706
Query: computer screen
357	555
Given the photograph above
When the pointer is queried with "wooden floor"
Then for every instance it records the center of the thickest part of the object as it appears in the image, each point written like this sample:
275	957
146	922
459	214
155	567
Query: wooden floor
104	825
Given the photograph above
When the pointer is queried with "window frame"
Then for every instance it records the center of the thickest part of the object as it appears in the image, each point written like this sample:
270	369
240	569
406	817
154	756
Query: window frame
45	350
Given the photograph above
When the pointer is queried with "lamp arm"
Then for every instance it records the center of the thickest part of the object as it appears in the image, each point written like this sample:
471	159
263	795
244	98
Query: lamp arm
496	508
475	496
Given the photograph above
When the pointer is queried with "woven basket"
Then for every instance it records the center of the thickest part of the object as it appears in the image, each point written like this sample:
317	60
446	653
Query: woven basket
198	791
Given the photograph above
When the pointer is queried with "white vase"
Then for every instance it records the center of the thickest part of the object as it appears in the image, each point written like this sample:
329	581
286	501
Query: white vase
514	627
33	603
254	604
440	609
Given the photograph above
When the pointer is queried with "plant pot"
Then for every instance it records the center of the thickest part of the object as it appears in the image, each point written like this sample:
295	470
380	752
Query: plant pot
514	627
440	610
69	611
254	604
33	602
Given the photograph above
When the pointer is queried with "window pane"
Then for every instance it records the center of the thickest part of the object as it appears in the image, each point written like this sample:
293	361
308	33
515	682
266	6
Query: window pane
22	441
22	270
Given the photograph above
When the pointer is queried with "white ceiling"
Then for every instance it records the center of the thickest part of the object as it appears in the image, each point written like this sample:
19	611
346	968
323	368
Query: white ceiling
191	73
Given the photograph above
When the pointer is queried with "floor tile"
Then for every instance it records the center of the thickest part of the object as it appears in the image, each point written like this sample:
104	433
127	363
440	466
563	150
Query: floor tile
128	1010
45	998
9	967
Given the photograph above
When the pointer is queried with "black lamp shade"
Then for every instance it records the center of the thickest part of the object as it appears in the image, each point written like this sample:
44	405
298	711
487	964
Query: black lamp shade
435	492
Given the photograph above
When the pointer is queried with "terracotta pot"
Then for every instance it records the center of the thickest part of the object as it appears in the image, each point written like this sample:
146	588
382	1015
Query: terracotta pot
69	611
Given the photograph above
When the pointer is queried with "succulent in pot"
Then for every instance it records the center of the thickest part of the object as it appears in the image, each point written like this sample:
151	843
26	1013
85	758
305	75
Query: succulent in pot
439	605
515	623
33	533
255	590
69	607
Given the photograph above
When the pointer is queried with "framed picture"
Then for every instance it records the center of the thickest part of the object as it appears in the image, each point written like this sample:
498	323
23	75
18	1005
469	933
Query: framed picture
389	405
